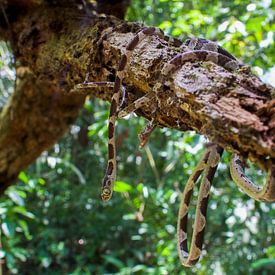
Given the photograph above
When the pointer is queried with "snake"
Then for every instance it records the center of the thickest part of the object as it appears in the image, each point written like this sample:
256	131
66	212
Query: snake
266	193
208	164
202	50
198	50
110	174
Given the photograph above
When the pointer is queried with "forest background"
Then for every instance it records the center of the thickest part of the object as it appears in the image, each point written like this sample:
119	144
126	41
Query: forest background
53	220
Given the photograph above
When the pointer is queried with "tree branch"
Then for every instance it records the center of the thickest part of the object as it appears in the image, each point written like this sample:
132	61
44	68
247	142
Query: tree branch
52	47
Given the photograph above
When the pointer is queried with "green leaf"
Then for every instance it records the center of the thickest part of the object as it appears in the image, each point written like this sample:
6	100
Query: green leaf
88	106
16	198
21	193
121	186
112	260
139	187
177	31
22	176
3	210
7	229
165	25
20	253
271	251
23	211
129	216
41	181
23	224
263	263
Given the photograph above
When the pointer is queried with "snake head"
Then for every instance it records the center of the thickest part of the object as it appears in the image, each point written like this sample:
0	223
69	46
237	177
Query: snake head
106	192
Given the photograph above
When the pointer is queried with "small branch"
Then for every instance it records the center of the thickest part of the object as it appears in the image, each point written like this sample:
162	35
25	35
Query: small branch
152	163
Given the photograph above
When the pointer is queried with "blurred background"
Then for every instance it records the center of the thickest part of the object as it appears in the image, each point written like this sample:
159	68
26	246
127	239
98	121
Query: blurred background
53	220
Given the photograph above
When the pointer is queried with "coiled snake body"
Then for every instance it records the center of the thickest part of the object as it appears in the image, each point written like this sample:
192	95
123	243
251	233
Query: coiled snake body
208	164
199	50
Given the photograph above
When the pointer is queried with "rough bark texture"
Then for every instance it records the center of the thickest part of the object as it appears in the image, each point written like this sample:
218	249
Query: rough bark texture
52	46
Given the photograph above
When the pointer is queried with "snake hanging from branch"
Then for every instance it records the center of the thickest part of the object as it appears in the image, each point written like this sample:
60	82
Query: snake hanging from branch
208	164
200	50
110	174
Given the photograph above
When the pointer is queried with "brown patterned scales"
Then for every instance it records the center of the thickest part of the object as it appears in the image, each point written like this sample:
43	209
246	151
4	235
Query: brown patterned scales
208	164
265	193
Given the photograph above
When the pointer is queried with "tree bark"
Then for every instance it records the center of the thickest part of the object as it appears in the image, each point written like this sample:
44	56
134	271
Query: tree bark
53	46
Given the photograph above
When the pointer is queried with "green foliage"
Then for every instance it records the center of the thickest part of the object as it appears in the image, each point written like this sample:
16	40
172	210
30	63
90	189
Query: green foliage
15	217
244	28
266	263
54	222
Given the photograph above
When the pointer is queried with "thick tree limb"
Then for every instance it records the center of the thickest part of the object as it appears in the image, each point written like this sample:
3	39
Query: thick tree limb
52	47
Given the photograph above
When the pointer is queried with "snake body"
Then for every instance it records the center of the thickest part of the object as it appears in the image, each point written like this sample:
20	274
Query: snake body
266	193
214	53
199	50
208	164
110	175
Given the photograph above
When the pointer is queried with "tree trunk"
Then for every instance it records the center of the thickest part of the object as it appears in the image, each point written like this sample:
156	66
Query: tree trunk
53	47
